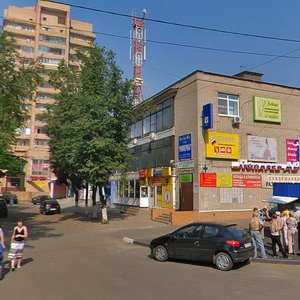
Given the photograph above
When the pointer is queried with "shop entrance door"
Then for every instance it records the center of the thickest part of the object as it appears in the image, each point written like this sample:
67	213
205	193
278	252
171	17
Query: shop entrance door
186	196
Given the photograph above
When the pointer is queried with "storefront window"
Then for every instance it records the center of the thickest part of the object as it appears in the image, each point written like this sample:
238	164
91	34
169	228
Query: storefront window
137	189
131	190
144	192
159	190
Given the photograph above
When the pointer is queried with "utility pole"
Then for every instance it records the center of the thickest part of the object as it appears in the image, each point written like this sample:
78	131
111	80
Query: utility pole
137	54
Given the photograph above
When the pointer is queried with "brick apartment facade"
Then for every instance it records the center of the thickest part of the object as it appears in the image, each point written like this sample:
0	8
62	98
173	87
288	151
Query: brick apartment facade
44	32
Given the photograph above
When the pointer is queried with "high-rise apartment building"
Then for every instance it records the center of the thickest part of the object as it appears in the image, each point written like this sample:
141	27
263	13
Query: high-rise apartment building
44	32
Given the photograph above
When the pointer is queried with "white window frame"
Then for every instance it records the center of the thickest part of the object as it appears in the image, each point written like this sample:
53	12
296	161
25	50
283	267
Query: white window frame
228	99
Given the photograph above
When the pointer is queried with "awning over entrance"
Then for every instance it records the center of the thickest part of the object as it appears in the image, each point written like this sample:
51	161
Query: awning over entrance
280	200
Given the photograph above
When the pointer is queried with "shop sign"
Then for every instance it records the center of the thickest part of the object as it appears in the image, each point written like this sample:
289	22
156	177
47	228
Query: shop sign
157	172
207	116
185	146
185	164
267	110
246	181
262	149
249	166
142	173
208	179
292	150
222	145
185	178
37	178
41	183
268	180
224	180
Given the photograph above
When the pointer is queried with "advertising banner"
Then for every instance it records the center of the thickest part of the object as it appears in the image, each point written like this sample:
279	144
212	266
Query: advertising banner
267	110
292	150
186	164
268	180
246	181
208	179
224	180
207	116
185	147
262	149
222	145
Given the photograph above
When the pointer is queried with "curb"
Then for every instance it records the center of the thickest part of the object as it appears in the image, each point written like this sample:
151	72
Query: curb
135	242
274	261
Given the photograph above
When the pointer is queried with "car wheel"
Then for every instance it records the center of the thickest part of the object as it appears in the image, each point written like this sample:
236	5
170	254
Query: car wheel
223	261
160	253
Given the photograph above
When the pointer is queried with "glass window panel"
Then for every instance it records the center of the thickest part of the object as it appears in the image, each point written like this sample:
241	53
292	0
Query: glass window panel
139	128
146	125
233	108
153	123
222	107
159	121
167	118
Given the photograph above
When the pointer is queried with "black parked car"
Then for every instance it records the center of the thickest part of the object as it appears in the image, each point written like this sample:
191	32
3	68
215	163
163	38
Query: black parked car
3	207
221	244
40	198
10	196
50	207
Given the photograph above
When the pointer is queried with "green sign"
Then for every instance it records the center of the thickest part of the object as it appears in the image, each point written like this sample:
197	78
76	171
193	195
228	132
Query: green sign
185	178
267	110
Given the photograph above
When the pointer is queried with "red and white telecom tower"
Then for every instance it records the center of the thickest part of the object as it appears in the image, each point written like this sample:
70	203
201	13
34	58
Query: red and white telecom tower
138	54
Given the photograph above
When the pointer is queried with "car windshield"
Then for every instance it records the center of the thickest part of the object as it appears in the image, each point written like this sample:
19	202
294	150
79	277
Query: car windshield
51	202
236	231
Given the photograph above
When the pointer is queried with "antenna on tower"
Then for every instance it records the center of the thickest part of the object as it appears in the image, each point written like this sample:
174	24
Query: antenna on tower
137	53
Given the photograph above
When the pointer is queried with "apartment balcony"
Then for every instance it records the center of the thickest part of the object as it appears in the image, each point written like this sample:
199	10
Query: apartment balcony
79	42
55	31
24	42
18	148
52	45
53	55
47	90
41	136
74	63
15	31
26	54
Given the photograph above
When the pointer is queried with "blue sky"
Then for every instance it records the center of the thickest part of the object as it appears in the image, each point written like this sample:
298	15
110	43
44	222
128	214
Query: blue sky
167	64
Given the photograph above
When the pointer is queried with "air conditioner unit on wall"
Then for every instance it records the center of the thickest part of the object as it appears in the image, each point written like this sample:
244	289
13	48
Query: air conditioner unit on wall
236	120
134	142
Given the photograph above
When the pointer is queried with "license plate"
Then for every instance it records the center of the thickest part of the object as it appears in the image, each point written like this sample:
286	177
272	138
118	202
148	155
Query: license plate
52	208
247	245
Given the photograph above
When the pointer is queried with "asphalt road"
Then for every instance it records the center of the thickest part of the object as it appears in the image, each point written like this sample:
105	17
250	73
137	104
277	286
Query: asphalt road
69	257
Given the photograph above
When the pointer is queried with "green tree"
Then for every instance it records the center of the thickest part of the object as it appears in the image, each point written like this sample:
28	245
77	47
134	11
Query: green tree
17	82
89	124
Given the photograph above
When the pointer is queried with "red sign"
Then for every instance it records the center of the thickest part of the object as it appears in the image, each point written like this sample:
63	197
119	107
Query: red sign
142	173
246	181
208	179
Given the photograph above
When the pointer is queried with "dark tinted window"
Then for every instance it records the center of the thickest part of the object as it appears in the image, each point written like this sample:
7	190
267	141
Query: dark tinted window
236	231
190	231
210	232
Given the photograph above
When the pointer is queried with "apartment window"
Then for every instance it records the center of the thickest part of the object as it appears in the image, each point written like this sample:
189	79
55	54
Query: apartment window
27	49
40	167
228	105
21	27
44	28
43	96
52	39
61	20
23	131
23	143
40	130
27	62
44	143
42	107
49	61
55	51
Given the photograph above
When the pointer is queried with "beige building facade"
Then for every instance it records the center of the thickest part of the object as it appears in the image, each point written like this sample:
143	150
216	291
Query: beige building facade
231	137
44	32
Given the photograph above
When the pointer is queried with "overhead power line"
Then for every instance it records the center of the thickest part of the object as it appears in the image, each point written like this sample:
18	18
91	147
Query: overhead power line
174	44
276	38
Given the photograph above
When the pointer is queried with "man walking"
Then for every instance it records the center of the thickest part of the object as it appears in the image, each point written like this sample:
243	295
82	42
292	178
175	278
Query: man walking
255	227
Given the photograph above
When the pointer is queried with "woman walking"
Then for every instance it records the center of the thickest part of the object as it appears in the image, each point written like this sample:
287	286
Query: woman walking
275	237
2	247
20	233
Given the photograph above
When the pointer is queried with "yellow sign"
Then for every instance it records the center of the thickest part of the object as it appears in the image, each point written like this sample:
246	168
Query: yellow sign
41	183
267	110
166	171
222	145
224	180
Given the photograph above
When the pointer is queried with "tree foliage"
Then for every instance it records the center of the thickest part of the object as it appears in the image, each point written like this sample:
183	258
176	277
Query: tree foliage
17	81
89	124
